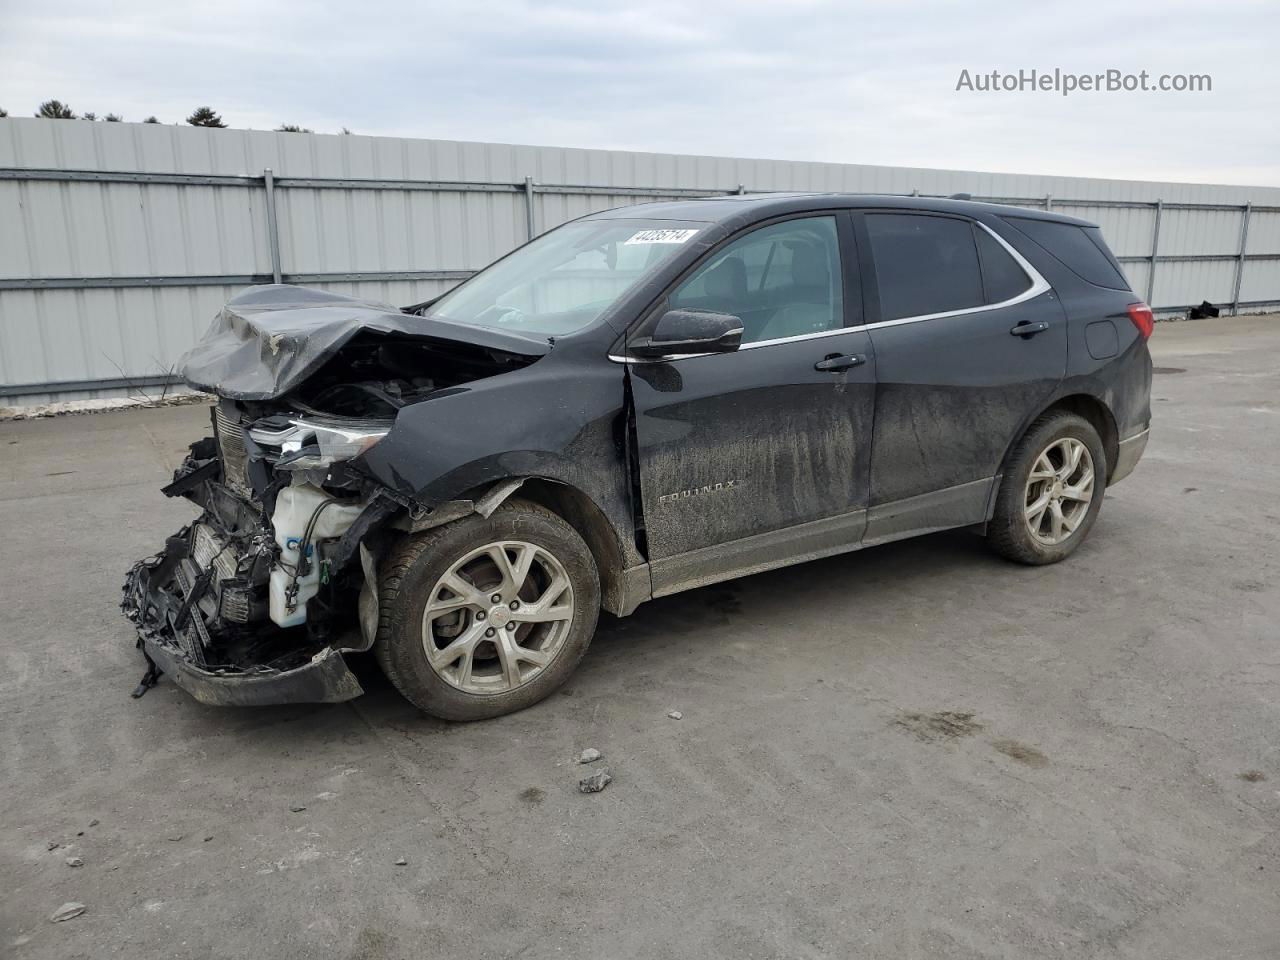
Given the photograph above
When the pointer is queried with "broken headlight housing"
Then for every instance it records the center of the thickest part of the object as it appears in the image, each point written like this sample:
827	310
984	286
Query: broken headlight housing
312	443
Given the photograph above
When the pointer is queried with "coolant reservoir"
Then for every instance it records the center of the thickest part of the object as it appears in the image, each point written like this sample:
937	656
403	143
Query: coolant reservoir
295	506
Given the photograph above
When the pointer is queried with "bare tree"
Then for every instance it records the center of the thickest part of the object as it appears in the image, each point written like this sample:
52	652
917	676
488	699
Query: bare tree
151	120
205	117
3	112
292	128
113	118
90	116
55	110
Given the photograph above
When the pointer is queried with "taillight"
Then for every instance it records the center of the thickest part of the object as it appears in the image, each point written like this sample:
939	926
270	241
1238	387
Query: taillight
1142	318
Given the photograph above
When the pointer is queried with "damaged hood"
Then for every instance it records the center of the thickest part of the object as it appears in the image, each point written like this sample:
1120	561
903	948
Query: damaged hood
269	339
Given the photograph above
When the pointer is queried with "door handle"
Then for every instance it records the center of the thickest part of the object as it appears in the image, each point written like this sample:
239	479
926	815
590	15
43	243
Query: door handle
836	362
1027	329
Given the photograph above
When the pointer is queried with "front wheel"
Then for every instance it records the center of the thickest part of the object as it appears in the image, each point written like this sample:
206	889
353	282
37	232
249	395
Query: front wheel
1051	491
486	616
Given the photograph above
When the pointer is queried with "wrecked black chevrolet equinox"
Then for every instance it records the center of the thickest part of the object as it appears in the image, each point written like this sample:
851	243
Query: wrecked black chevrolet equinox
638	402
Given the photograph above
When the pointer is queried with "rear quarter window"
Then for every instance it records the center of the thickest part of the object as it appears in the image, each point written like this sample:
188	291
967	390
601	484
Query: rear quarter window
1081	250
1001	275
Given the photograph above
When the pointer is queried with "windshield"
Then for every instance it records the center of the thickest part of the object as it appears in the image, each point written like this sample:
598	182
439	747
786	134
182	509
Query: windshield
564	280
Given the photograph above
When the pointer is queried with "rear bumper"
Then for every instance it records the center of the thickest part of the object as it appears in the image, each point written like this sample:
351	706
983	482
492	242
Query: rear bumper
1127	457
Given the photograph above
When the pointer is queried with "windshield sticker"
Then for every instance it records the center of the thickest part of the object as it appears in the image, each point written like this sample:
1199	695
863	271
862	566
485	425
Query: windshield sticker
661	236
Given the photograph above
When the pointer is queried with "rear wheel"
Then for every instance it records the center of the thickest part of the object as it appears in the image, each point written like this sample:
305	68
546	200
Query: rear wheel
483	617
1051	491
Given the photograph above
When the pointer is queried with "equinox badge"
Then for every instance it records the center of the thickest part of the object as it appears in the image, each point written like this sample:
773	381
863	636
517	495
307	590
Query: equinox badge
698	491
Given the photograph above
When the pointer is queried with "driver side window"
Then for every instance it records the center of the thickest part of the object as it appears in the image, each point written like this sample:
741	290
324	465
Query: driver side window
783	281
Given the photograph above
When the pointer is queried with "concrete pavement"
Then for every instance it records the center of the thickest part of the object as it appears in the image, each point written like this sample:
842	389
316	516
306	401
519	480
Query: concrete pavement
913	751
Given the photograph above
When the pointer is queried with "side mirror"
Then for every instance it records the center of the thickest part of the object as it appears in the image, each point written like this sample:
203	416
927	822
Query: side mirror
690	331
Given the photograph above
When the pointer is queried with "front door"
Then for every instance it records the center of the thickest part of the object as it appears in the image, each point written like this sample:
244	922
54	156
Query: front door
970	341
750	459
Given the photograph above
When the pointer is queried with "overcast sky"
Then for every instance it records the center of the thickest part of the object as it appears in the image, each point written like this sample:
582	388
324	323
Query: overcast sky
840	81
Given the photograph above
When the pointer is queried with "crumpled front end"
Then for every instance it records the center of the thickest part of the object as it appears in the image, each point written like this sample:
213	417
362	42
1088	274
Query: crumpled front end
220	666
218	661
257	600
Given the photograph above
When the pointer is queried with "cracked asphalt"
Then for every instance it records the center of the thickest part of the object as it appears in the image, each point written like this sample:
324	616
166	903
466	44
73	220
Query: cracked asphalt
915	751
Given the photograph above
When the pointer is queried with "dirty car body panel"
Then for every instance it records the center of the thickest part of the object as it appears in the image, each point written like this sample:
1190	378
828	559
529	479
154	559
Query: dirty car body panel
826	421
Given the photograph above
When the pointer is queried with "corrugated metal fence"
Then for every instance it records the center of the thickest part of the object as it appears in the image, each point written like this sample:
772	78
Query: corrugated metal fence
119	242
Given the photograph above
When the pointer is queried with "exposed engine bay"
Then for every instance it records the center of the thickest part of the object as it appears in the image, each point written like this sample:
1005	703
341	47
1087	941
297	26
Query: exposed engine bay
262	582
256	600
376	375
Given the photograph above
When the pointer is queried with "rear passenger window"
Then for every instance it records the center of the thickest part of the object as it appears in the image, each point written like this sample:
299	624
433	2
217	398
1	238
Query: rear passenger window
924	264
1002	278
1077	247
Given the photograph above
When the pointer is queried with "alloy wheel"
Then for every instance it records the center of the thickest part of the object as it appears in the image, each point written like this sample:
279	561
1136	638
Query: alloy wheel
497	617
1059	491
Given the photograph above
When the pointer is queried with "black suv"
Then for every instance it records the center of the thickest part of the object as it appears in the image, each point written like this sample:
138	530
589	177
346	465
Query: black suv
638	402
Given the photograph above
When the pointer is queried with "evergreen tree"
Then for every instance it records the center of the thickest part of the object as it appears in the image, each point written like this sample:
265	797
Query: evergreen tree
55	110
205	117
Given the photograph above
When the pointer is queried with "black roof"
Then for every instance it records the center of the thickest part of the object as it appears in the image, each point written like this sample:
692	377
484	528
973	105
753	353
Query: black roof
759	206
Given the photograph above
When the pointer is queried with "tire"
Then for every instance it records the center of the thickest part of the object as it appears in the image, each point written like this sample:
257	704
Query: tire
1010	533
485	686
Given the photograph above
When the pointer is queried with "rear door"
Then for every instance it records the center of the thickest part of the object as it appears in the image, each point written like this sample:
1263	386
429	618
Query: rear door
970	341
751	458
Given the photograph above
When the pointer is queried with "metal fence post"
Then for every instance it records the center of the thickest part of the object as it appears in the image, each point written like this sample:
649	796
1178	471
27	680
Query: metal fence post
1048	202
528	206
1244	243
1155	251
273	232
741	189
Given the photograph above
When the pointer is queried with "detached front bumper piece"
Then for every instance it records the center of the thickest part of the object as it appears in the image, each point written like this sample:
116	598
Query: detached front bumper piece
326	679
178	611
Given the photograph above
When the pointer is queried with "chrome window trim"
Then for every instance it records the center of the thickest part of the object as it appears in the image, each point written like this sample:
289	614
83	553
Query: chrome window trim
1039	286
801	336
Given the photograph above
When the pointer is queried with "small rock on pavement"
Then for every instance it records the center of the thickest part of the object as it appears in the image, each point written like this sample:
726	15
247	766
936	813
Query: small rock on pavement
595	783
52	845
401	862
590	755
93	823
75	861
675	715
297	808
174	838
68	911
